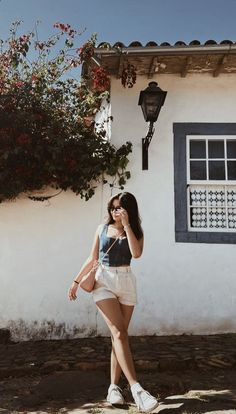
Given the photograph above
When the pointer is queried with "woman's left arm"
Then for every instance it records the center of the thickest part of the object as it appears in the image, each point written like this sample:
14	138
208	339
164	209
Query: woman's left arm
135	245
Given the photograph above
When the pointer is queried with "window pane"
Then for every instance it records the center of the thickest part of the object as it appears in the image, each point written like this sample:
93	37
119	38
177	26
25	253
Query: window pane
231	148
216	170
197	149
231	170
232	218
216	197
198	170
216	149
217	218
231	197
198	217
197	196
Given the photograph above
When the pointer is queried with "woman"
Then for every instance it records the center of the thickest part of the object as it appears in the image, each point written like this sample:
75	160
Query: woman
115	290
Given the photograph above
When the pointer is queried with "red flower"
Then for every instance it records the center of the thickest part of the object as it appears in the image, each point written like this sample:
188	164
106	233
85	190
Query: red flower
19	84
88	120
38	117
72	164
24	39
21	170
86	51
65	28
23	139
101	80
6	137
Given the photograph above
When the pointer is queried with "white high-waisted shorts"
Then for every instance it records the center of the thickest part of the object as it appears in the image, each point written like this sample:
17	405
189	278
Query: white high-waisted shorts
115	282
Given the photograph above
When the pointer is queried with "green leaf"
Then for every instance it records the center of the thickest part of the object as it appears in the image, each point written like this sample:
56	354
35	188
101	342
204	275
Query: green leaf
121	181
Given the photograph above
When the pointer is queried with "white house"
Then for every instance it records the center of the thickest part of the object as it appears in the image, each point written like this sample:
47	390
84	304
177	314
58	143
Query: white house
187	199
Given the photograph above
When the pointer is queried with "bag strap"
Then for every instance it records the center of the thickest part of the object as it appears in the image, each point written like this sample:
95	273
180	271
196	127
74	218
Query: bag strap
112	245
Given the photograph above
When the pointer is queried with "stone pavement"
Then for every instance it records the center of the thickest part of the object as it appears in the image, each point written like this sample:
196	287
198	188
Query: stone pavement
189	374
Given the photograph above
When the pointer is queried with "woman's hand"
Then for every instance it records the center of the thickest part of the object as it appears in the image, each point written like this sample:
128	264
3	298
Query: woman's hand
124	217
72	291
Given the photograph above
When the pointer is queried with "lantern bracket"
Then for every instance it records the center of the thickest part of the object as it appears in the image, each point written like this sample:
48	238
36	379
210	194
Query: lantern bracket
145	144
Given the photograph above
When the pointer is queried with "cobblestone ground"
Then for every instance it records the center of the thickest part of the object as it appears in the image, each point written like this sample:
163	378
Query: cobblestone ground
189	374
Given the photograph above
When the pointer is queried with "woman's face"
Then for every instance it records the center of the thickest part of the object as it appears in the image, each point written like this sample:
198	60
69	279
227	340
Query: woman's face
115	210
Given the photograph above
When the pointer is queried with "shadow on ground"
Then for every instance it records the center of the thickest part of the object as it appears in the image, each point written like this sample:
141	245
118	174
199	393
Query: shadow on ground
84	392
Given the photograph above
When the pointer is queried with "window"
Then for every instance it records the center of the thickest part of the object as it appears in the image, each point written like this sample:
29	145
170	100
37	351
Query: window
211	183
205	182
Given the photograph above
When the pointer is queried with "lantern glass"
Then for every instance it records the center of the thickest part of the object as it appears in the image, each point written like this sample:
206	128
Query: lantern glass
151	101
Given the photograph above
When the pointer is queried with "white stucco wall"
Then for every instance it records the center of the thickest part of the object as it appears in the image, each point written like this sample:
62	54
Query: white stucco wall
182	287
42	248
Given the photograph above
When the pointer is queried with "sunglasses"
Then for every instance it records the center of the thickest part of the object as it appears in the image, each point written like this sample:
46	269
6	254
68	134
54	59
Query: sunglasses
115	209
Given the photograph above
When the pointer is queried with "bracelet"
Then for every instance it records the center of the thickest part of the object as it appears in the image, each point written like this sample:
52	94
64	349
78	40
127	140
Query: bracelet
127	226
76	282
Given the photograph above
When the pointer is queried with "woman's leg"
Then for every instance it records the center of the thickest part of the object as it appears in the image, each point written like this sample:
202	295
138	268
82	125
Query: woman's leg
127	312
111	312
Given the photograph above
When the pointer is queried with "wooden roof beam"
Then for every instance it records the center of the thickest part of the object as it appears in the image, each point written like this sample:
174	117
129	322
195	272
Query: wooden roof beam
186	67
152	67
97	61
120	66
220	66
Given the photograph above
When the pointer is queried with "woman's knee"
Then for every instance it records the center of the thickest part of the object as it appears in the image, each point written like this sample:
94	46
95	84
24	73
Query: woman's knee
119	333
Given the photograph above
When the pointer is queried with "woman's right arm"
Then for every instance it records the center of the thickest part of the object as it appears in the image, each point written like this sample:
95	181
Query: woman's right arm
91	262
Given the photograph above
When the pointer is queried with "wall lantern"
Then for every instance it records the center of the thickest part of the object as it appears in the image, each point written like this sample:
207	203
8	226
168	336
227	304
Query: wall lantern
151	101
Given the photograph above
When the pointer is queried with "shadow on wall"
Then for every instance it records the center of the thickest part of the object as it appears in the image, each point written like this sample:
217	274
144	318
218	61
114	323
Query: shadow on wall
22	331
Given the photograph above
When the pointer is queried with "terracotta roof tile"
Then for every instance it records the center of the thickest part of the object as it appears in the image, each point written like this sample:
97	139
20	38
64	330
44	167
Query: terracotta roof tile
226	42
165	44
135	44
151	43
210	42
180	43
194	42
118	44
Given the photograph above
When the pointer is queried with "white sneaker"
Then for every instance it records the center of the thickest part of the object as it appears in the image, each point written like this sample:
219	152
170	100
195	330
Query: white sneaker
144	401
114	395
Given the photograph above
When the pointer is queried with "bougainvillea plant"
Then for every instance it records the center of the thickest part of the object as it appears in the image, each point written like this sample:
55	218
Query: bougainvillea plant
48	134
128	76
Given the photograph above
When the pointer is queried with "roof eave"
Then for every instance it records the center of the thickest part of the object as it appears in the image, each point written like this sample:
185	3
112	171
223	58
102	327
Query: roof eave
167	50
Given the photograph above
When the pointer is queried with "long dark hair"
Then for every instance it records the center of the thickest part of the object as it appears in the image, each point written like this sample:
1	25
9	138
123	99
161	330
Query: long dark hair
129	203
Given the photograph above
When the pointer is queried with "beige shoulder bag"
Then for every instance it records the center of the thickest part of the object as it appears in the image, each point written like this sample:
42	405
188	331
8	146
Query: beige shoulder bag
88	281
